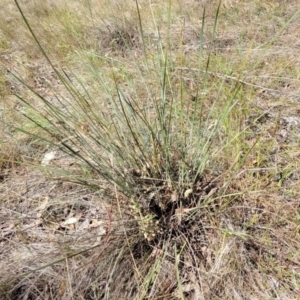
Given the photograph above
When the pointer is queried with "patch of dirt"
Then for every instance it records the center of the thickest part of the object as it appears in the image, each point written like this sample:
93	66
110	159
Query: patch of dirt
44	220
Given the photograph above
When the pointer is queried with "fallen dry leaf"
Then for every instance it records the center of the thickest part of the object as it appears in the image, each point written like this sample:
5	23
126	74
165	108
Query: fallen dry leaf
70	221
47	158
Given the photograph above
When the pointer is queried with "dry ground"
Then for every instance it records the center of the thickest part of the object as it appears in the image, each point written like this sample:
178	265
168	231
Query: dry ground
58	239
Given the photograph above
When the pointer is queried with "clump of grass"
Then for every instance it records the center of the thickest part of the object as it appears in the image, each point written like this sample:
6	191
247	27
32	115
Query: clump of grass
171	156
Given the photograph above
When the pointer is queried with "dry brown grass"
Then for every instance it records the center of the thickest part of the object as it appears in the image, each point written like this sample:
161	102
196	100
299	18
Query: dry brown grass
63	240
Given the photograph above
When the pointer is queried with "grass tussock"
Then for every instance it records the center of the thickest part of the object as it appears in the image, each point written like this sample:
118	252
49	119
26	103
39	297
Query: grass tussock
157	154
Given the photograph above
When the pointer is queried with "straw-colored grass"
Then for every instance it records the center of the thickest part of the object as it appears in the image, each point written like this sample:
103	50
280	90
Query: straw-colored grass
149	150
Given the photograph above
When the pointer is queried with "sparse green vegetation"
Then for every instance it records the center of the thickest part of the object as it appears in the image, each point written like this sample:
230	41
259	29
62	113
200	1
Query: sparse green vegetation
149	150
